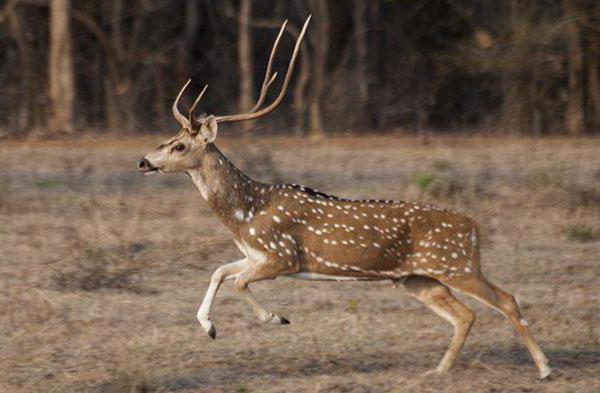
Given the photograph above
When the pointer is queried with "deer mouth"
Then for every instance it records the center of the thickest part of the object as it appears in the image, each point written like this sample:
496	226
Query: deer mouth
145	167
151	171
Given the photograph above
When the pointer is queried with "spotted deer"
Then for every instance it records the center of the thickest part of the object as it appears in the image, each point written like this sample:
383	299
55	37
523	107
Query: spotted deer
294	231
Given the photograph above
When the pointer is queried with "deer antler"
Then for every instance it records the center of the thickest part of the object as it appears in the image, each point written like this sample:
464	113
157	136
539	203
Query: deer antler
255	113
191	112
185	123
266	81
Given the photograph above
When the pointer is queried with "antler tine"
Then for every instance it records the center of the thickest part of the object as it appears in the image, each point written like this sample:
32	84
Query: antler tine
286	81
191	112
178	116
263	93
266	81
272	79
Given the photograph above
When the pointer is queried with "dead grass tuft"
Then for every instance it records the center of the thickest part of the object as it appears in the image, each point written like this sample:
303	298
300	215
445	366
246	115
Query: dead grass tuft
129	368
97	270
586	196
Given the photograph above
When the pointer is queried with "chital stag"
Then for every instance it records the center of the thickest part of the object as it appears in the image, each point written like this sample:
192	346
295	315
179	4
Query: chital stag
294	231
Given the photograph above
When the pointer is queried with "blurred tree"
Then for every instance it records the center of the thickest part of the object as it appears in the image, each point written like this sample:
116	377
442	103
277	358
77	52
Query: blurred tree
506	66
360	35
574	121
245	58
60	68
592	33
320	43
28	113
185	49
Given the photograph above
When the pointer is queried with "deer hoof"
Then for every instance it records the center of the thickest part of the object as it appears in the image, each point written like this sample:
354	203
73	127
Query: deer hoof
545	372
277	320
209	328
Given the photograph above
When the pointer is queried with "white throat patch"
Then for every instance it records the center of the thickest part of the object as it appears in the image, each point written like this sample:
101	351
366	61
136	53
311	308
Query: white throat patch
200	183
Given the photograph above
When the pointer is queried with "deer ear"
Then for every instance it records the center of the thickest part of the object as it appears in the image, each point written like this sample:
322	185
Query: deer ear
208	129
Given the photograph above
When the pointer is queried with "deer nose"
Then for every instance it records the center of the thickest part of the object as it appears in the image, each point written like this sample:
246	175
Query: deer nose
144	164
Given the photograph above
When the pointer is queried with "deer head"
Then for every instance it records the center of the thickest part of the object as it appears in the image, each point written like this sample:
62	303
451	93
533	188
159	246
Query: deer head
185	151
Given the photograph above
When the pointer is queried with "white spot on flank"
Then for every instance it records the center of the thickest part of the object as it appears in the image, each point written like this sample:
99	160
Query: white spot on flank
238	214
524	322
276	219
252	231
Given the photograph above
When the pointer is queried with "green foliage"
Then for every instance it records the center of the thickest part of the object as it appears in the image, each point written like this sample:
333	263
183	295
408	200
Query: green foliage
582	233
352	306
424	180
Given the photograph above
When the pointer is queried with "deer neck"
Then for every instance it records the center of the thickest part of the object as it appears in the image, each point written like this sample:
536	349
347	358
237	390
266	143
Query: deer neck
233	196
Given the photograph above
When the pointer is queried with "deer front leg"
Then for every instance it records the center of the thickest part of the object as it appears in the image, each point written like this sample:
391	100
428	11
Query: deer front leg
269	269
223	273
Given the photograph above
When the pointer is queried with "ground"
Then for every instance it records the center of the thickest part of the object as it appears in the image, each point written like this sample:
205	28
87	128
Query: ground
102	270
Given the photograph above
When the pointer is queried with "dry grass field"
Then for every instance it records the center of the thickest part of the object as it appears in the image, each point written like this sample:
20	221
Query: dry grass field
102	271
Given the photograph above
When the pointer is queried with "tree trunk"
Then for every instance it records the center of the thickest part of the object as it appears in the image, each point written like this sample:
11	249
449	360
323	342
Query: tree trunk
115	108
593	85
28	115
185	48
574	115
593	68
299	93
360	31
245	58
516	82
377	62
320	45
60	68
115	27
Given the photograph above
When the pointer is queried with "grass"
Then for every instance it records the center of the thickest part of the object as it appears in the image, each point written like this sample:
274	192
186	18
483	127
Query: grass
582	233
423	181
103	270
352	306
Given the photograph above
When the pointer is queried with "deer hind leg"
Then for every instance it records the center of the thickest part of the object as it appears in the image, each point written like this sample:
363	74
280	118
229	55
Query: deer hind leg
440	300
269	269
484	291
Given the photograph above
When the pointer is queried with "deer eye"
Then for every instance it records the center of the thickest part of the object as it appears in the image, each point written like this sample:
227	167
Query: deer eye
179	147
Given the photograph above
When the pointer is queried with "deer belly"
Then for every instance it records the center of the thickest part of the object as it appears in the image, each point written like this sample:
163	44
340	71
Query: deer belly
346	262
310	276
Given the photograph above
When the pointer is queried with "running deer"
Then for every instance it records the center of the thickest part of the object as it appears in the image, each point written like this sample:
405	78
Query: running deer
291	230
